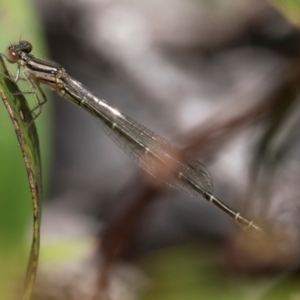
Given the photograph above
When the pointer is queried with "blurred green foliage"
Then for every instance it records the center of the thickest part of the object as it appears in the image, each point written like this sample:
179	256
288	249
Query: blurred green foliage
188	272
289	8
194	271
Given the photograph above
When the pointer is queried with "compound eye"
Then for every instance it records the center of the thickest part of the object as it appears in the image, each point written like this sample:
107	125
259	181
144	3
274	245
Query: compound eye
12	55
26	46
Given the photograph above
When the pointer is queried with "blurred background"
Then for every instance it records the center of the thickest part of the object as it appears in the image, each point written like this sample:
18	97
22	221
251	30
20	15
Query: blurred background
218	78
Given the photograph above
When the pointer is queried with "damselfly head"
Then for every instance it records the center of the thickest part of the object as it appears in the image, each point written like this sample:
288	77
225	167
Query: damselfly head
13	53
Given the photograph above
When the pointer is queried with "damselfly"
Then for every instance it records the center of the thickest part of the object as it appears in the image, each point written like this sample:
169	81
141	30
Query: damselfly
152	152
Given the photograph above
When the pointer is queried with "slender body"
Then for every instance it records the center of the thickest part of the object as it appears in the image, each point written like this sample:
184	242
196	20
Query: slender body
152	152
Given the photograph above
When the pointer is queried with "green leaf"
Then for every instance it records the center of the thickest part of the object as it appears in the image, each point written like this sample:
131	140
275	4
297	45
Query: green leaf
20	115
19	20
